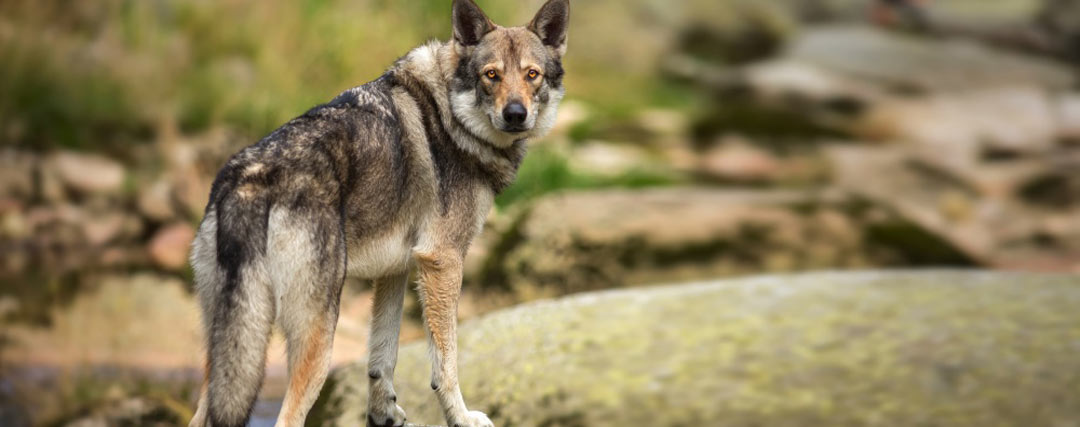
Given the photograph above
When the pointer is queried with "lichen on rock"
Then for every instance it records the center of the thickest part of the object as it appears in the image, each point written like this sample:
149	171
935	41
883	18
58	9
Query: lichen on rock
949	348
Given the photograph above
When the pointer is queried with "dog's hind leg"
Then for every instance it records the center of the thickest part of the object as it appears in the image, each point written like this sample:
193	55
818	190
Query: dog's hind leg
382	351
309	344
310	271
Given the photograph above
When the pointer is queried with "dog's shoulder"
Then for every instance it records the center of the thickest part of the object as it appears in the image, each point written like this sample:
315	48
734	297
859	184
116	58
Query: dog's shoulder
372	100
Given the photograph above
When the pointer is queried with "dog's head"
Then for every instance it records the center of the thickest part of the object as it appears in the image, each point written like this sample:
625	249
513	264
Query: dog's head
508	80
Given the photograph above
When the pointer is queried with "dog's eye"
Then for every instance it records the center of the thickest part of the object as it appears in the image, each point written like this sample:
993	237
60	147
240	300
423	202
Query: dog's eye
491	74
533	74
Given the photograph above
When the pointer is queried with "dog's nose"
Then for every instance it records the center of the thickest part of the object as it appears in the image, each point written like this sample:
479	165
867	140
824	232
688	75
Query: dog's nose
515	113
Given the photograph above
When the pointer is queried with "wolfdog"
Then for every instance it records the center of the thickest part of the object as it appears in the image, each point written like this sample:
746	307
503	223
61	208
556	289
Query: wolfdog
398	172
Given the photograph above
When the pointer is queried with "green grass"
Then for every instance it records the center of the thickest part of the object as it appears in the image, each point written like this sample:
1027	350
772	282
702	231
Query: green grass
115	72
546	170
111	73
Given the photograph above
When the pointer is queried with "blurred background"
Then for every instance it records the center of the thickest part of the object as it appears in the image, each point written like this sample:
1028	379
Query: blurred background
699	139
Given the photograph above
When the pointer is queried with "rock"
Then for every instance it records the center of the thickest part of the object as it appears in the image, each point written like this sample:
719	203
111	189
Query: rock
597	158
155	201
854	81
1069	117
127	336
571	113
192	189
17	173
192	164
948	348
8	306
997	219
883	176
50	187
1001	180
133	411
169	246
1060	21
736	160
111	226
963	127
133	319
600	239
87	173
919	64
14	226
10	204
661	122
1053	190
123	256
784	79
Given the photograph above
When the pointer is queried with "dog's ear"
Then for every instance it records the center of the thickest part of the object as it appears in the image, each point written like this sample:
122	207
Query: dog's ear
470	23
550	23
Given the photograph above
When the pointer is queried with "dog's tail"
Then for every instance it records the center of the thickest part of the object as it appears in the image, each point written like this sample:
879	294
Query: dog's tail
240	311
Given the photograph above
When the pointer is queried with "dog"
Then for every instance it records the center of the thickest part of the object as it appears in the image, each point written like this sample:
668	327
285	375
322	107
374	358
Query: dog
396	174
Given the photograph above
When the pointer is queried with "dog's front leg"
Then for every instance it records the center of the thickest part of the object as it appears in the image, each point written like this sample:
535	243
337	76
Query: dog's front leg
440	285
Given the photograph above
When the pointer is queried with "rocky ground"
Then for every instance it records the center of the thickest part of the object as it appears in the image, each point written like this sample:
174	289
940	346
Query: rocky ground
945	348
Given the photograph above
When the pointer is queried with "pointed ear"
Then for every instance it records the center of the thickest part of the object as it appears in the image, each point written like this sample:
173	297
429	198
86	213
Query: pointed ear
550	23
470	23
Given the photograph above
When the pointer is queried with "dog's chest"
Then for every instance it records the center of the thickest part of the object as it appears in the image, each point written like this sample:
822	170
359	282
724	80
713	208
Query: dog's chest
389	252
379	256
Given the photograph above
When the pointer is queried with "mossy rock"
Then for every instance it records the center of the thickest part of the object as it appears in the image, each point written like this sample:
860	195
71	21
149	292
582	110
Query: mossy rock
931	348
589	240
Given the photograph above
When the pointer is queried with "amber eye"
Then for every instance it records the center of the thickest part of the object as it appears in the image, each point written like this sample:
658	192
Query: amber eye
491	74
533	74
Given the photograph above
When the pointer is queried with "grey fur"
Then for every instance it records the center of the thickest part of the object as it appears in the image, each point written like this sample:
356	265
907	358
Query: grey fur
400	171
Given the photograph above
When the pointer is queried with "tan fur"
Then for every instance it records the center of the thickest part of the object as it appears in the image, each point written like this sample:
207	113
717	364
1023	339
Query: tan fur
513	83
306	374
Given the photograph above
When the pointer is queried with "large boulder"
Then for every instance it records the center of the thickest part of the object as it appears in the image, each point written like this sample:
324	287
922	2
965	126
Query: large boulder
910	63
881	85
588	240
1018	214
944	348
965	128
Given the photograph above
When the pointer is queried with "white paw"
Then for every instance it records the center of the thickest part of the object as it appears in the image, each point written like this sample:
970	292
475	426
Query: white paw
474	419
386	417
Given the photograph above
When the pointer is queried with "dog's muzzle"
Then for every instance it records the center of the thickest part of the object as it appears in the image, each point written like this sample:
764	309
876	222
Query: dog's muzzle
514	115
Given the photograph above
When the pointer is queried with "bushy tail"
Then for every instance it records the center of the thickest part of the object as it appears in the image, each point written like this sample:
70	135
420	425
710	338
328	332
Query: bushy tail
237	356
241	314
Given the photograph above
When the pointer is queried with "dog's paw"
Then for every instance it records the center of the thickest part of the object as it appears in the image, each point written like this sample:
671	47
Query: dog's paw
387	417
474	419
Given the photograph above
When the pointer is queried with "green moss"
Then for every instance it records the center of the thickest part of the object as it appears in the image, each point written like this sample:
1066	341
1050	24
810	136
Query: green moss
914	245
493	274
777	127
38	294
839	349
